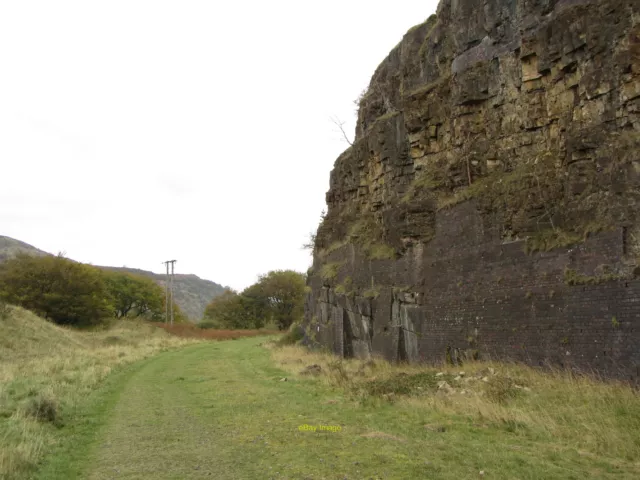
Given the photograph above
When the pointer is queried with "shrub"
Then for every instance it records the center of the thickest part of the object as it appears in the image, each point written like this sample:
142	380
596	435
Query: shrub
56	288
206	324
293	335
329	271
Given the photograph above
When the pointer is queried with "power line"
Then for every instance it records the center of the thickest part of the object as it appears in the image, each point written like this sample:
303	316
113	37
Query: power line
168	304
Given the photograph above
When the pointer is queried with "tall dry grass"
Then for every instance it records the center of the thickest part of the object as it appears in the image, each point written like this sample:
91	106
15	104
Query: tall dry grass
46	371
579	413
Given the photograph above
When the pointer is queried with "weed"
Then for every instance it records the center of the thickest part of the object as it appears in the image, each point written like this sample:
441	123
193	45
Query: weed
293	335
571	277
551	238
329	271
380	251
614	322
373	292
43	408
501	389
345	288
338	372
403	384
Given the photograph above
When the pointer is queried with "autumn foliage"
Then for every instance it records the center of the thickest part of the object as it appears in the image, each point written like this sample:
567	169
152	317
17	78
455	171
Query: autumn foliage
189	330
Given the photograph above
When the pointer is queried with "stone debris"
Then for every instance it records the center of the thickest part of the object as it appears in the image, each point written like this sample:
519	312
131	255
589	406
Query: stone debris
445	387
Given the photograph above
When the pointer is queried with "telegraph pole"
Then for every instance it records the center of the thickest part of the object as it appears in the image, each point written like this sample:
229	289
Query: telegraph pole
169	290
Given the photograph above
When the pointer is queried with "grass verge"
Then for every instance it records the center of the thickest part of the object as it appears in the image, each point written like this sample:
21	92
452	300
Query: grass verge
46	374
506	420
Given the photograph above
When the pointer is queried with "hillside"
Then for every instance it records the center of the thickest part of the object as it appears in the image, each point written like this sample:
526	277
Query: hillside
191	293
10	247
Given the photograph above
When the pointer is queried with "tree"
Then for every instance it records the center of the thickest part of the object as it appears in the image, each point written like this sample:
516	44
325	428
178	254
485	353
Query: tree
276	297
63	291
340	124
284	292
228	311
134	295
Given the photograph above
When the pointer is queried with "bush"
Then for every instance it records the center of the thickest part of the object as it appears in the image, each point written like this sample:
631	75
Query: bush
63	291
206	324
293	335
277	298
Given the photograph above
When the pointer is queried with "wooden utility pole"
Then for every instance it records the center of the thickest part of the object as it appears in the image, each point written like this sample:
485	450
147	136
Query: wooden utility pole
169	291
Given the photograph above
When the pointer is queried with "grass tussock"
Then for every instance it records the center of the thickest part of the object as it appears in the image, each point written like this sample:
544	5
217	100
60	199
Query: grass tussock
557	409
329	271
293	335
46	371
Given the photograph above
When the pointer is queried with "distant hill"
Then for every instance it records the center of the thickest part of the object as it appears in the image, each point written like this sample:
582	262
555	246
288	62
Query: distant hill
10	247
191	293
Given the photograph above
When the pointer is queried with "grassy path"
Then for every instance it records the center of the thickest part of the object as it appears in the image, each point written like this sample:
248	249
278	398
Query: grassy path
219	410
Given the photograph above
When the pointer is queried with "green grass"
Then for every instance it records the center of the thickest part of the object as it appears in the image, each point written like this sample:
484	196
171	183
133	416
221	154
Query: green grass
46	374
222	410
507	420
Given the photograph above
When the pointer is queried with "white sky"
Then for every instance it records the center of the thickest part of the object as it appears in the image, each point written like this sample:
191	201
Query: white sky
137	131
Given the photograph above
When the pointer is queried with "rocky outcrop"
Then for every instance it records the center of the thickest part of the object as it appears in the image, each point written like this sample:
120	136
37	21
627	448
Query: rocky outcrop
489	205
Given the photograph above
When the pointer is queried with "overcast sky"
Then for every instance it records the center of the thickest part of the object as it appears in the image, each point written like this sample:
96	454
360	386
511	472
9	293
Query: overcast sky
137	131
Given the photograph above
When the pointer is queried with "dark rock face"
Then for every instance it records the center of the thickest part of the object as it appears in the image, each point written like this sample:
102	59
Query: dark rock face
490	203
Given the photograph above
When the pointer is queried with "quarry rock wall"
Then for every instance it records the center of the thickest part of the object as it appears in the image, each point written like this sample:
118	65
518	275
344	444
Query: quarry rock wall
489	206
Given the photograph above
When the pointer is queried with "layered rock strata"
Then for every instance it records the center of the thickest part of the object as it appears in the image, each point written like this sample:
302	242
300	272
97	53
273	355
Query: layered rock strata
489	206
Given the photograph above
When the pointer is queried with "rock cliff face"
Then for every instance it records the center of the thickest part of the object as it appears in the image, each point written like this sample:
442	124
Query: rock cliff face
490	203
